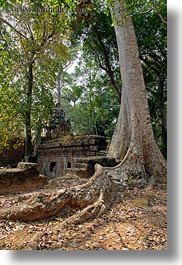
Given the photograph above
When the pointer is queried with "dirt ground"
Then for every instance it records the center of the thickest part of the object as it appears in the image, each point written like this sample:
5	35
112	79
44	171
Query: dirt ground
138	221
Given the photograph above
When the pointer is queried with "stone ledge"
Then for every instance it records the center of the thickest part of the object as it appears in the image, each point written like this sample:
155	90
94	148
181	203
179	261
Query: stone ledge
26	165
74	141
16	180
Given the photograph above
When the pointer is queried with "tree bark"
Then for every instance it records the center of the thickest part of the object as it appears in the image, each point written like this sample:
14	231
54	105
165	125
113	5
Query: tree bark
162	109
28	138
133	141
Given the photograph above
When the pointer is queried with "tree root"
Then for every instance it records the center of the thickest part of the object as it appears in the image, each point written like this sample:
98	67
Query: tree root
39	205
89	197
95	209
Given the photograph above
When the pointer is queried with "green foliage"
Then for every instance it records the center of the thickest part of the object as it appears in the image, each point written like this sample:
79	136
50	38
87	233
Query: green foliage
89	101
10	122
42	40
30	54
99	44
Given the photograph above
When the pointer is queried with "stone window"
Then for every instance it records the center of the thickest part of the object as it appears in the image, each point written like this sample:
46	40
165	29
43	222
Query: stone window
68	164
52	166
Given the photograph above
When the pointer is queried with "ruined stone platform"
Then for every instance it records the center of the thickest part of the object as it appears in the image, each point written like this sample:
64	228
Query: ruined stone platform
23	178
85	166
57	157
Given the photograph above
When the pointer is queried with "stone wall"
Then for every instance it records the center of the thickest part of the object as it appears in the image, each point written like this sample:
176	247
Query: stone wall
23	178
11	156
56	155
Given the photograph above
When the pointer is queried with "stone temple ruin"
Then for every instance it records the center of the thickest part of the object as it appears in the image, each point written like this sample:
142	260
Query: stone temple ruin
60	152
24	177
58	125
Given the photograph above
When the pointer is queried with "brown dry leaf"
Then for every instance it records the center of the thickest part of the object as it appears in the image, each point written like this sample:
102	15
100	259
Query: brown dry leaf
128	225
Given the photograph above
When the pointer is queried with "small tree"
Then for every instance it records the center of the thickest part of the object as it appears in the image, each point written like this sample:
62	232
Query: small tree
37	39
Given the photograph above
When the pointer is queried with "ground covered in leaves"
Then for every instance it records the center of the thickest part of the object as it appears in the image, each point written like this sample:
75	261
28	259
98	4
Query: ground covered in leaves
136	220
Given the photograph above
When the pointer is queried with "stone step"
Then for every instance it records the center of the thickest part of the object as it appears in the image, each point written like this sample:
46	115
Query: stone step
86	160
85	166
80	165
81	172
92	160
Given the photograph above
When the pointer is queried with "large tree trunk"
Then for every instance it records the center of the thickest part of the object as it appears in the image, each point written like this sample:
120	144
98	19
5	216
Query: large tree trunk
162	115
133	141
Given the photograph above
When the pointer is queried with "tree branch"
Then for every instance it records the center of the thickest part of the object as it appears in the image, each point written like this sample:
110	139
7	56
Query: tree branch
30	32
158	13
11	26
